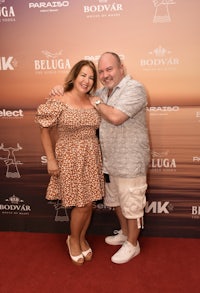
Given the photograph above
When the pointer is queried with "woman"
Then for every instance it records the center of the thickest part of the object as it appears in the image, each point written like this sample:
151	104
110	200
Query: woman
75	166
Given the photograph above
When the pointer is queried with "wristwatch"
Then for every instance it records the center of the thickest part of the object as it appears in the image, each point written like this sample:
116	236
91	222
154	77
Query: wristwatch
98	102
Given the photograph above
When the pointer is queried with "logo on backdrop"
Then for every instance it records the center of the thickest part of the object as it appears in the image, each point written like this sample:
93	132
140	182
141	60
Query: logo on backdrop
49	6
197	115
61	214
7	13
160	161
159	58
44	160
95	58
162	110
99	206
52	63
162	13
158	207
195	212
104	8
15	206
196	159
10	160
8	63
11	114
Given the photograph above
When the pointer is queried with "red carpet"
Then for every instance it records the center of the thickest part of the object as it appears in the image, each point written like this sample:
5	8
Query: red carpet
32	263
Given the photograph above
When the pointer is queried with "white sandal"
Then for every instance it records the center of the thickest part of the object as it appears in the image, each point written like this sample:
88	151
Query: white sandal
76	258
87	254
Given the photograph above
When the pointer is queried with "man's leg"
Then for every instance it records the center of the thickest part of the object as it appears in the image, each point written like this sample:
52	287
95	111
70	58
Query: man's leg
111	199
129	227
133	231
122	221
132	202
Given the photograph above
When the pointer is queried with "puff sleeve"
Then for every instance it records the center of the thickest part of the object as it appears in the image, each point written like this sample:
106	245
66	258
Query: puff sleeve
48	113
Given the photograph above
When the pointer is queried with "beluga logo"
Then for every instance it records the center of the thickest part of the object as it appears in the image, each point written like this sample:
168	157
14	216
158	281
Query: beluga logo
53	62
7	13
161	161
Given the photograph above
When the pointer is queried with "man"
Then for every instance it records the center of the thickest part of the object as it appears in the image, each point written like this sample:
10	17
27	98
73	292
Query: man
125	150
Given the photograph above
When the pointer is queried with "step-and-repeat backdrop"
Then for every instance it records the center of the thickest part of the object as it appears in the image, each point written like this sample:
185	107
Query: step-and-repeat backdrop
159	43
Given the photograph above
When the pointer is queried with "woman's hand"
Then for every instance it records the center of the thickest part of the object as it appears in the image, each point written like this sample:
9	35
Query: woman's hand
52	167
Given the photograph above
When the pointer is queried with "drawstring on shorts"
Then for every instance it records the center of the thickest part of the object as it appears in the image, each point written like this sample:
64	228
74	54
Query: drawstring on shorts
140	223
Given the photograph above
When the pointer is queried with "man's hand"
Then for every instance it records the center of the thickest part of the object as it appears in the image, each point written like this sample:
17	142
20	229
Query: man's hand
57	90
93	99
109	113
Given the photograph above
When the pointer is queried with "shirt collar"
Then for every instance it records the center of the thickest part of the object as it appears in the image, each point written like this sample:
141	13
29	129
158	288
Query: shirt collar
120	84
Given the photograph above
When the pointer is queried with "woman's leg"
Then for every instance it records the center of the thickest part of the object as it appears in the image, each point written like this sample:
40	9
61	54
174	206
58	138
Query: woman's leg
80	219
83	242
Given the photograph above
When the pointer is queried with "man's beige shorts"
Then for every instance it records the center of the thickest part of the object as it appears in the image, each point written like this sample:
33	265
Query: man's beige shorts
128	193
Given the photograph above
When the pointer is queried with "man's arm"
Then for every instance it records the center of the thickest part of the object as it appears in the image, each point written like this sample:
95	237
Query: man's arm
109	113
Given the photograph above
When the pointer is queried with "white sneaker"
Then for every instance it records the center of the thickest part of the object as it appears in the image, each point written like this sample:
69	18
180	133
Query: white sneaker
117	239
126	253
